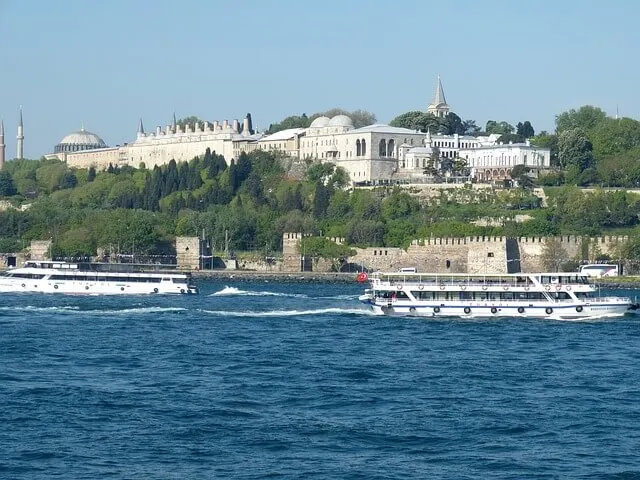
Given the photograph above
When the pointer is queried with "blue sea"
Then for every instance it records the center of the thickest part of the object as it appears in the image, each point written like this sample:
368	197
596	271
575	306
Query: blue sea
255	380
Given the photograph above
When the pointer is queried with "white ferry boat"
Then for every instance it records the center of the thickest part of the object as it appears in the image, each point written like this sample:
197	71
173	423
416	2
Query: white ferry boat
93	279
536	295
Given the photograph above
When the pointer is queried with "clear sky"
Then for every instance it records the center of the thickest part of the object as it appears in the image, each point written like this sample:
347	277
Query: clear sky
105	64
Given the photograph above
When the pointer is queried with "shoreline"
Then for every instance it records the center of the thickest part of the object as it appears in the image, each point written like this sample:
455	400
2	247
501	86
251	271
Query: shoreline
338	277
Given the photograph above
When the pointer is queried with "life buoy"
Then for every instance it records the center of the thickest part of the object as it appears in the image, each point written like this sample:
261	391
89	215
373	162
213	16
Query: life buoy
579	308
23	285
548	310
155	290
463	287
362	277
547	287
569	287
436	309
122	289
420	287
412	309
467	310
86	287
520	309
399	287
55	286
527	288
558	288
506	287
494	310
484	287
182	290
442	286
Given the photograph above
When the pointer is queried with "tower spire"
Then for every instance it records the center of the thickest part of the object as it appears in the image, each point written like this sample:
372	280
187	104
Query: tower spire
438	94
2	145
140	127
438	105
20	137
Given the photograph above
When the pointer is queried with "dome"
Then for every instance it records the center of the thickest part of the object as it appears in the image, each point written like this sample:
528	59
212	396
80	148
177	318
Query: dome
320	122
78	141
341	121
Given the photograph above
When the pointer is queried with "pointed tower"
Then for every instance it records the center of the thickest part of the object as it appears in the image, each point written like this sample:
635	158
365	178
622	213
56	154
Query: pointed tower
175	123
438	105
20	137
140	129
2	145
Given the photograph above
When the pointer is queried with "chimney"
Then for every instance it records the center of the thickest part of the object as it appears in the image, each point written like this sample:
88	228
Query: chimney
245	126
236	125
225	124
158	131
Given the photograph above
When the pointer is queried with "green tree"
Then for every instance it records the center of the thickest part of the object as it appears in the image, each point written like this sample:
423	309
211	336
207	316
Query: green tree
7	188
323	248
500	128
525	130
613	136
585	118
554	255
574	148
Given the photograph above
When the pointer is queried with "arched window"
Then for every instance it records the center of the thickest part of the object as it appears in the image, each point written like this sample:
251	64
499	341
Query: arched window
390	148
358	152
364	147
382	150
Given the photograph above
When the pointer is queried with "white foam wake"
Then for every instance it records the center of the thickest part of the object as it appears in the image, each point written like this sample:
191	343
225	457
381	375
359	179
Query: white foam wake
291	313
230	291
77	310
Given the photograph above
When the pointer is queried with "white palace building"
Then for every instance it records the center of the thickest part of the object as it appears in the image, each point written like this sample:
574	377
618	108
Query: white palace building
375	153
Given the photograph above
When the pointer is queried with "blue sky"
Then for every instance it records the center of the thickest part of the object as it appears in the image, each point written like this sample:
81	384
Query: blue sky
105	64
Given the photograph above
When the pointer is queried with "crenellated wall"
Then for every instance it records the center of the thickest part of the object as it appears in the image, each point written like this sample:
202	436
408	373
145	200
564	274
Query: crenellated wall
477	254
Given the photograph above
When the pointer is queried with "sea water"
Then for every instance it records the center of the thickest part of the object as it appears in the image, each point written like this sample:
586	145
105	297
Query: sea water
298	380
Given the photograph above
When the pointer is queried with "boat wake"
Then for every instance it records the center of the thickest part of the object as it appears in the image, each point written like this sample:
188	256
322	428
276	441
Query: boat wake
233	291
78	310
292	313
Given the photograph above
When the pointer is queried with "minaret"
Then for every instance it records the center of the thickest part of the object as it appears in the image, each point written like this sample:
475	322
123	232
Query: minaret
20	137
438	105
2	145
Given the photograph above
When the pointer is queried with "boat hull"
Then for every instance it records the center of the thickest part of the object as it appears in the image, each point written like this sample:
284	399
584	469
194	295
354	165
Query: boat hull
563	312
95	288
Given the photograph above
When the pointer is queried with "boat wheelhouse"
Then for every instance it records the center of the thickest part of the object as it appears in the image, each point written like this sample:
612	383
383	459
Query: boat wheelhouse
536	295
94	279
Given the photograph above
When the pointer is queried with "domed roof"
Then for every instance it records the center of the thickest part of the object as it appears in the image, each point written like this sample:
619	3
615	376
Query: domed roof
320	122
79	141
82	137
341	121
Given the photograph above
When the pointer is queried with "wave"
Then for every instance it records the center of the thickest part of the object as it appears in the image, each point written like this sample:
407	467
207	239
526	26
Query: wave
229	291
33	308
291	313
75	309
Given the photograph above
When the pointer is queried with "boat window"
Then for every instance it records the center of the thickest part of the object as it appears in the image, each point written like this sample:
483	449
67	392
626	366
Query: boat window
35	276
178	280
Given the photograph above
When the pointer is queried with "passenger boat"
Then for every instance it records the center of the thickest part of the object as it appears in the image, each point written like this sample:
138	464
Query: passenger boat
535	295
93	278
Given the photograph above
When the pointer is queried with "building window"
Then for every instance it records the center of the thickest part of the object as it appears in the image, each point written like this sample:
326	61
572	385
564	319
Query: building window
382	150
364	147
358	151
390	148
490	254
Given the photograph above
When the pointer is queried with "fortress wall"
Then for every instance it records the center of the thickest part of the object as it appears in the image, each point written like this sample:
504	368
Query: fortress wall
576	248
477	254
487	256
188	252
40	250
